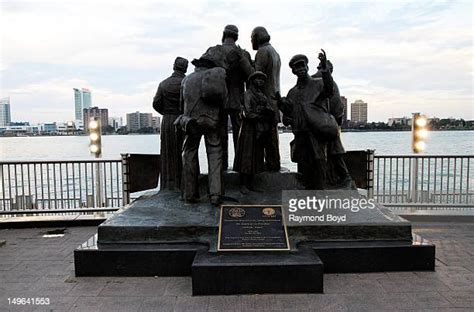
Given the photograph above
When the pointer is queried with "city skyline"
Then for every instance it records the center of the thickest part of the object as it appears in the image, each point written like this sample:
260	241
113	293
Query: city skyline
382	55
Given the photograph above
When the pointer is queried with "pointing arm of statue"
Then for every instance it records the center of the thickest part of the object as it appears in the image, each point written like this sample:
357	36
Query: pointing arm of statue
328	89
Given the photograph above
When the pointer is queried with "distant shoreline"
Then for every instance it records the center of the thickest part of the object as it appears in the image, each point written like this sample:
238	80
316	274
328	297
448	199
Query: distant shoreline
280	131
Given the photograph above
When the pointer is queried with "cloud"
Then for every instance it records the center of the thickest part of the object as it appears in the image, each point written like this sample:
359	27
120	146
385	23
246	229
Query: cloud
394	55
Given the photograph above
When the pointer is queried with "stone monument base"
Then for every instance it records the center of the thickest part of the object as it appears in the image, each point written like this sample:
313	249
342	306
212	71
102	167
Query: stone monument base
160	235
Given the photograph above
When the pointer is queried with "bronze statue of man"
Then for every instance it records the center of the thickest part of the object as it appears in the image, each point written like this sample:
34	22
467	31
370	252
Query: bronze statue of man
238	66
166	102
268	61
203	94
337	172
303	106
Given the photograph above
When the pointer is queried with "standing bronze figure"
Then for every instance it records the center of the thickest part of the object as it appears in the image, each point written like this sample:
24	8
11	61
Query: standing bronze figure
307	110
238	66
337	172
267	61
166	102
203	94
257	120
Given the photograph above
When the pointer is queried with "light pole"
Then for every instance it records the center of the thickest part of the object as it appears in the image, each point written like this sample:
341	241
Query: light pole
419	133
95	147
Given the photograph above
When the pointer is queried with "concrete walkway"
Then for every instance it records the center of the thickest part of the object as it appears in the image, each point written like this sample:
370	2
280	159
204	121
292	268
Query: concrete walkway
32	266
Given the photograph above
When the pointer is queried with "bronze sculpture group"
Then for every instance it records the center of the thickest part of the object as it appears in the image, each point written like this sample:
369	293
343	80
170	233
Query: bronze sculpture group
227	85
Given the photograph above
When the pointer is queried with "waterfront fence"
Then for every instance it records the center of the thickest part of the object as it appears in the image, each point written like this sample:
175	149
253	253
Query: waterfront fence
86	186
424	181
41	187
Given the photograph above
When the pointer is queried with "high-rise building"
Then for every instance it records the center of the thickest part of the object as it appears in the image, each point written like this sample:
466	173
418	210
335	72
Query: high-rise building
102	113
137	120
5	115
86	98
156	122
82	99
116	122
344	104
359	111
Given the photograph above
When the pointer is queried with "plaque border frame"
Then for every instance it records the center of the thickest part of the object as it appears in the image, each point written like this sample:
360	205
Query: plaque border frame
253	249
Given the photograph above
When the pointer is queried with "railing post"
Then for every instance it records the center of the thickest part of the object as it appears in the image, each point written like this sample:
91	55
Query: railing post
125	179
414	180
98	184
370	173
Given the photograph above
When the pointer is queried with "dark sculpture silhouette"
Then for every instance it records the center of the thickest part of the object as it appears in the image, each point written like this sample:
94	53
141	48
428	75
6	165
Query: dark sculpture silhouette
166	102
203	94
257	120
267	61
306	109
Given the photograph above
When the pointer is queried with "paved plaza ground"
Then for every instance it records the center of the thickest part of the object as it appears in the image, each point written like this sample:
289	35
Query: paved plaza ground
32	266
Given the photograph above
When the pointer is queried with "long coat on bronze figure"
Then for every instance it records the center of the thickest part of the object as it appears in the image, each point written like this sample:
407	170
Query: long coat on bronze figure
268	61
166	102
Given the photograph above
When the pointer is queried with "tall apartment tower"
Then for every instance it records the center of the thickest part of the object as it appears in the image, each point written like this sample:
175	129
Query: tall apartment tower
5	115
359	111
344	103
82	100
102	113
137	120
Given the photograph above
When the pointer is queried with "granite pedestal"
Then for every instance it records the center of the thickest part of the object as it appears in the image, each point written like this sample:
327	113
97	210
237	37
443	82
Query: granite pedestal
159	234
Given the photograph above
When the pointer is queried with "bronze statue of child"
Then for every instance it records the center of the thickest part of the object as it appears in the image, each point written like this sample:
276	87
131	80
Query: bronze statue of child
257	116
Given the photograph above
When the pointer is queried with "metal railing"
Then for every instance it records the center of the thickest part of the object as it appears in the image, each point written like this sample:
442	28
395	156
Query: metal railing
60	186
424	181
43	187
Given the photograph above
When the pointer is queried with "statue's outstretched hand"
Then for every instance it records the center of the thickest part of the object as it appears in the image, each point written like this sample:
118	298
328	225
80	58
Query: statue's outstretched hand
323	59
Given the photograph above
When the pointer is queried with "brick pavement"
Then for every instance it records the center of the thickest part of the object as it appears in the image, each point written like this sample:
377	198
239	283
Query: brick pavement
32	266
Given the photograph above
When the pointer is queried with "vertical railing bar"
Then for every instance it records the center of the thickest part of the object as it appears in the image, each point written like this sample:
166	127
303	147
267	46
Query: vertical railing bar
378	178
55	188
403	179
36	185
117	179
42	187
467	179
3	187
111	185
104	186
29	182
447	180
383	178
422	176
61	184
80	184
454	180
49	189
74	185
22	182
67	186
16	181
409	178
435	177
460	181
428	180
390	182
441	182
396	180
93	183
85	181
10	187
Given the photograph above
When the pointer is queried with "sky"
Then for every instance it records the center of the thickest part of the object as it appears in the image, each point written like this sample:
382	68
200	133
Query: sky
398	56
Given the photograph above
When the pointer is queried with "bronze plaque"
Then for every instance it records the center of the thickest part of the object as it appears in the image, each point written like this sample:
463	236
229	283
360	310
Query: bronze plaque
252	228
